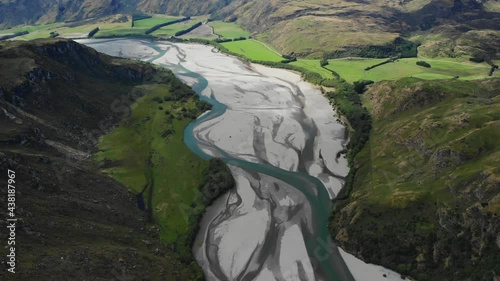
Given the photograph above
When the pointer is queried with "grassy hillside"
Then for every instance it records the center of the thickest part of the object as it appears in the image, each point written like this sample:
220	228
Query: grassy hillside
154	154
58	99
316	27
155	162
425	196
441	68
150	22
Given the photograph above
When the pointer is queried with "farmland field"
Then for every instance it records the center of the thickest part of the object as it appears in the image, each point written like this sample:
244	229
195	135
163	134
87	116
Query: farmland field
313	66
174	169
254	50
353	69
170	30
30	28
228	30
77	31
150	22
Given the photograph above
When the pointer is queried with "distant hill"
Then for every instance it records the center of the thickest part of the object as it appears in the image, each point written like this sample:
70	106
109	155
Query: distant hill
450	28
16	12
308	27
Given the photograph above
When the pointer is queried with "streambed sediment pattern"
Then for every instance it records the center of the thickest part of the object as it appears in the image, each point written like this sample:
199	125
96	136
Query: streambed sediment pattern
281	138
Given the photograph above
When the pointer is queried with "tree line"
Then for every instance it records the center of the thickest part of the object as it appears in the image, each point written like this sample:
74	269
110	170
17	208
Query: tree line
158	26
185	31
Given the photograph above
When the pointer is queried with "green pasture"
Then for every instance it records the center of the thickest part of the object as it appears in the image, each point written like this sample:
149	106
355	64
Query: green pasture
150	22
228	29
253	49
30	28
170	30
353	69
147	148
313	66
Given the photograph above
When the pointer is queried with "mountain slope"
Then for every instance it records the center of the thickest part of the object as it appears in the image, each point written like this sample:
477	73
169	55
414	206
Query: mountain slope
320	27
425	200
57	98
309	27
16	12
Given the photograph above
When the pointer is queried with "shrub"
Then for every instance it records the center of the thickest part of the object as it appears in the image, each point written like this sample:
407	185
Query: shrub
223	40
493	69
360	86
239	39
289	60
93	32
476	59
423	63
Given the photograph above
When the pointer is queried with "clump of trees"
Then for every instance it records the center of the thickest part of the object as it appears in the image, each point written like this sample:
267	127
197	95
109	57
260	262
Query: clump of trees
53	34
288	58
360	86
393	59
223	40
10	36
399	47
217	181
158	26
493	68
158	100
93	32
348	102
203	105
423	64
323	62
476	59
185	31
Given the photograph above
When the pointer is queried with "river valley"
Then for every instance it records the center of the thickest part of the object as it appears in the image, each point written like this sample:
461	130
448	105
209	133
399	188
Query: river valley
282	142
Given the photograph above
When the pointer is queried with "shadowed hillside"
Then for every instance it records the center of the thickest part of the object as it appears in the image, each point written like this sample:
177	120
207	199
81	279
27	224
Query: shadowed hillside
425	195
57	99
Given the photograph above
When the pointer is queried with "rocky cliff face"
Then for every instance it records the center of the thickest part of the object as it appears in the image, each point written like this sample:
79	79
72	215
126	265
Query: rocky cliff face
426	196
